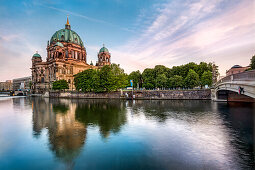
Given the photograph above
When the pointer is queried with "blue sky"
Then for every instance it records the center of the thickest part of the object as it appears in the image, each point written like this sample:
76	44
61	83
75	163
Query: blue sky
138	33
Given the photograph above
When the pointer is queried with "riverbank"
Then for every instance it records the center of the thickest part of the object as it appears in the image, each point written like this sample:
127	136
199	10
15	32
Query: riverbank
139	94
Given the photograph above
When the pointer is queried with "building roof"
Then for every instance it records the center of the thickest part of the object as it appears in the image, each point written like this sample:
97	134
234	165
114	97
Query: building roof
103	49
66	35
236	66
37	55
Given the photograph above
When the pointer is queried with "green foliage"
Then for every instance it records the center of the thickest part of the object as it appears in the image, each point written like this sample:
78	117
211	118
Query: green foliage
136	76
160	69
60	85
161	80
84	80
119	76
192	79
252	62
161	76
206	78
108	78
148	77
175	82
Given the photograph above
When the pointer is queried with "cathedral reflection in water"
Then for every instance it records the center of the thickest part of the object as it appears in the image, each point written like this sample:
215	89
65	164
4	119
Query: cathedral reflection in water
66	122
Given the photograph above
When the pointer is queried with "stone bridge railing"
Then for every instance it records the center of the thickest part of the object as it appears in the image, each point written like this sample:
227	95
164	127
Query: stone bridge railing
233	83
244	76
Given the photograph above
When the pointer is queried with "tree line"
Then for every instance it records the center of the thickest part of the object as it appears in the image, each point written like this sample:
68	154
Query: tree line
185	76
112	78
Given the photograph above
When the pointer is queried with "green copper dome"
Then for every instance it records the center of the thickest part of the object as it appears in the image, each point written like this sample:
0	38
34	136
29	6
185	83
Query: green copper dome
103	49
36	55
66	35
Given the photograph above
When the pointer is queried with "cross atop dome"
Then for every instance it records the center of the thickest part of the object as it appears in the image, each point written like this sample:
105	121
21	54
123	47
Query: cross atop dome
68	26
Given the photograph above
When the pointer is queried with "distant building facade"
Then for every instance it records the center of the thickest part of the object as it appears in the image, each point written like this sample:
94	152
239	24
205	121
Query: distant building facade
6	86
236	69
66	56
23	83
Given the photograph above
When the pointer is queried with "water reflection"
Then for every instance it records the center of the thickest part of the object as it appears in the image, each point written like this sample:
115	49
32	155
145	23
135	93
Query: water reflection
66	135
67	121
115	134
109	115
226	130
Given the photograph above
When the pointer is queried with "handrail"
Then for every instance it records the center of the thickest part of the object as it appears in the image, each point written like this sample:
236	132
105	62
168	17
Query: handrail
244	76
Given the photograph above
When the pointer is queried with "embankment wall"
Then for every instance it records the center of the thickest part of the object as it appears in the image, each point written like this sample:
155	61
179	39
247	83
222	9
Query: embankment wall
143	94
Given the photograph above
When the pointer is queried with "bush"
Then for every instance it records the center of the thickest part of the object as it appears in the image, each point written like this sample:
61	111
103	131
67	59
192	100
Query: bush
60	85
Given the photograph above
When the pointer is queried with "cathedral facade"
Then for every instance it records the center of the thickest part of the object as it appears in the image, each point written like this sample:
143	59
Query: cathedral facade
66	56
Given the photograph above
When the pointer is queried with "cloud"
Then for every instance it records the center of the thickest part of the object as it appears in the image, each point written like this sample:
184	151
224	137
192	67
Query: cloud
67	12
193	31
15	61
171	33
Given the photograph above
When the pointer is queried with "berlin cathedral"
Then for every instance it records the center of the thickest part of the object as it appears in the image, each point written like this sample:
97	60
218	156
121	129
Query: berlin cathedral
66	56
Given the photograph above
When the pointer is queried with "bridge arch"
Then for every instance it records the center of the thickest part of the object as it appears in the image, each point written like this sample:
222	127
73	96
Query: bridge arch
230	85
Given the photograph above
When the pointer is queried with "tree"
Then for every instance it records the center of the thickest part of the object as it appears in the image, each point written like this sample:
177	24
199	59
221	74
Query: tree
108	78
136	76
202	67
252	62
60	85
192	79
161	80
148	78
160	69
206	78
175	82
120	77
84	80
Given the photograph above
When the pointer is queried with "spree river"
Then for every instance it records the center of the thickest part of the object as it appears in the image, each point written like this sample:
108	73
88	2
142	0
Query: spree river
39	133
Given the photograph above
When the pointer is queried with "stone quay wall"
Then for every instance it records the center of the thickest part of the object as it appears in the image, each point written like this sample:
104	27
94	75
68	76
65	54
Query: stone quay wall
143	95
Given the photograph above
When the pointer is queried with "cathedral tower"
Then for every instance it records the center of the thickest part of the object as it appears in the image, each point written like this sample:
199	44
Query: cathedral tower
104	57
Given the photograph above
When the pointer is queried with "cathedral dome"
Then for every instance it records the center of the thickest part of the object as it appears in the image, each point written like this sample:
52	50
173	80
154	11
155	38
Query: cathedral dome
103	49
37	55
66	35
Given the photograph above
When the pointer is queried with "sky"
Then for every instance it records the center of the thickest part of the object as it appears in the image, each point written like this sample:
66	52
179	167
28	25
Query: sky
138	33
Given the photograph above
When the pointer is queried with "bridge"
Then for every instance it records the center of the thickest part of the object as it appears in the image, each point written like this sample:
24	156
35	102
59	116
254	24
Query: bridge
236	87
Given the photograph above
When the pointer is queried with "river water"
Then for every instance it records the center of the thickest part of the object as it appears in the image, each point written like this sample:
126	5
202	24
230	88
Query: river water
38	133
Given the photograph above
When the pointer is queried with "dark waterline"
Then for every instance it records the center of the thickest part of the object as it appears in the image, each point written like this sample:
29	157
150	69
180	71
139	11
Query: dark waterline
37	133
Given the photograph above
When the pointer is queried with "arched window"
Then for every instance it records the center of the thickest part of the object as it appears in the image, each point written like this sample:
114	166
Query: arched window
72	54
62	37
76	57
67	54
76	40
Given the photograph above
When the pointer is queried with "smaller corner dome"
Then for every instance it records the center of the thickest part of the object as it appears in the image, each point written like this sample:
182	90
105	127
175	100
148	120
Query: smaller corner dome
37	55
59	44
236	66
103	49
